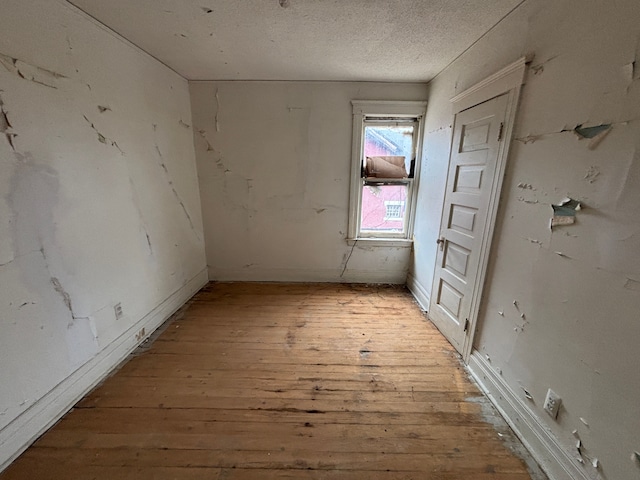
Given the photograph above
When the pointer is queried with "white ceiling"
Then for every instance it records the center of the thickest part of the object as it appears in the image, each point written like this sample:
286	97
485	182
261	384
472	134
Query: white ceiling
347	40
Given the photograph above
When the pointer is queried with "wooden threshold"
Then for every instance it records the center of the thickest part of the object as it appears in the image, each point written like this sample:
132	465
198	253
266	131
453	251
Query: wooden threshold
285	381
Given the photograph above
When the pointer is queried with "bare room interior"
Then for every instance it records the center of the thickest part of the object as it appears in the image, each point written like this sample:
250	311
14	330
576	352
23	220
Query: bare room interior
320	239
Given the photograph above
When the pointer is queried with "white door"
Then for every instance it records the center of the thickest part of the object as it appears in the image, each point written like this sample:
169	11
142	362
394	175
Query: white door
477	136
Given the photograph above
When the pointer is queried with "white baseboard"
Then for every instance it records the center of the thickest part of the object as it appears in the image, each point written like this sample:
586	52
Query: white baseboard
419	292
16	437
398	277
536	437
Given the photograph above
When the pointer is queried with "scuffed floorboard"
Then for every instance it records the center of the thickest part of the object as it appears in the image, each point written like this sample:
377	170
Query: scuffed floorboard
300	381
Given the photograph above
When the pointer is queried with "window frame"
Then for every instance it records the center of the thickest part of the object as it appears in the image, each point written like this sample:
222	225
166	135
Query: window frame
368	112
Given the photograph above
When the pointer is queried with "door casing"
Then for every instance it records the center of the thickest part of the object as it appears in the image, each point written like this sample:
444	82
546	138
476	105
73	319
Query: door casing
508	81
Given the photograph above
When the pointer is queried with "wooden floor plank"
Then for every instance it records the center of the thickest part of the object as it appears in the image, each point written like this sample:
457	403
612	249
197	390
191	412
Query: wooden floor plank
277	381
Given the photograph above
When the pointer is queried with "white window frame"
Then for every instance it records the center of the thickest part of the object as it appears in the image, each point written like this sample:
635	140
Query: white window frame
364	110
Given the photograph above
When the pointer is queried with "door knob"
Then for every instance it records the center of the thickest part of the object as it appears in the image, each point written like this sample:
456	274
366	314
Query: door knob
440	242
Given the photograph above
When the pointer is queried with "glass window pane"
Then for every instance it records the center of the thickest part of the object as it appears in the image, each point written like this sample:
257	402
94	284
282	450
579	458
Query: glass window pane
388	150
383	208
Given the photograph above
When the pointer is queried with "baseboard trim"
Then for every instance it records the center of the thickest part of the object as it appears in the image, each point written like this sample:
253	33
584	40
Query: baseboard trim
33	422
536	437
397	277
419	292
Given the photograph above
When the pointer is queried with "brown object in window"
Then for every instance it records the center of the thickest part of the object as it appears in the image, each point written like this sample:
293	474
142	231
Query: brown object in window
386	167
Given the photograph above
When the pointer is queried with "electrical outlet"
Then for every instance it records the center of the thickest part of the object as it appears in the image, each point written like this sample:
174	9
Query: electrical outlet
552	403
117	308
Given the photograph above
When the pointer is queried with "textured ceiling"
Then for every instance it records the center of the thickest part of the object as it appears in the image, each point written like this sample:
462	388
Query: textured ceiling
355	40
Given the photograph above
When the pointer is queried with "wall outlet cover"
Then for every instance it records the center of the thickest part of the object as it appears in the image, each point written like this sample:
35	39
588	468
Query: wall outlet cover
552	403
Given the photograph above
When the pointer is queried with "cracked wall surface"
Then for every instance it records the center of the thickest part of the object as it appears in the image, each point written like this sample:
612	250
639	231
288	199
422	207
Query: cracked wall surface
574	325
274	163
88	217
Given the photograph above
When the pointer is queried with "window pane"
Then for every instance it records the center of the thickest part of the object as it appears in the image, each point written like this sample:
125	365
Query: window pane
388	150
383	208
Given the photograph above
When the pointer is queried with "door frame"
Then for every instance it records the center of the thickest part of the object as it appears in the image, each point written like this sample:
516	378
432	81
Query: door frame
508	80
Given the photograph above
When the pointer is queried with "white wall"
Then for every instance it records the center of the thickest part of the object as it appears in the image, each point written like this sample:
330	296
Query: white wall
274	165
96	208
582	327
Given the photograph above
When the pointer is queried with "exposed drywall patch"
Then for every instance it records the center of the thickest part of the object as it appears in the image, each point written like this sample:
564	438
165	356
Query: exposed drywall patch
596	134
565	212
31	73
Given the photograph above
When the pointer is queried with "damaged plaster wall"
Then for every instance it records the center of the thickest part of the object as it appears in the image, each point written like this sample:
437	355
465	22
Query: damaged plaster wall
574	325
99	206
274	162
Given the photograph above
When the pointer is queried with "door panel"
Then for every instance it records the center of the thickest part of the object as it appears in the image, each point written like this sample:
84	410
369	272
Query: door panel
472	168
468	179
456	259
462	219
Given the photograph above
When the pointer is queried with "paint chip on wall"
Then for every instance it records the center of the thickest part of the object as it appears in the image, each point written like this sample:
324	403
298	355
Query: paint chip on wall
591	132
592	174
596	134
632	284
565	212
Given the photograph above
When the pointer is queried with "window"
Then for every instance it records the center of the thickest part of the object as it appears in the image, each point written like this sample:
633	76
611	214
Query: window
386	160
394	210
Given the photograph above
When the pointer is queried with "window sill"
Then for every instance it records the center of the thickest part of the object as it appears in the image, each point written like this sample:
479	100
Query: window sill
381	242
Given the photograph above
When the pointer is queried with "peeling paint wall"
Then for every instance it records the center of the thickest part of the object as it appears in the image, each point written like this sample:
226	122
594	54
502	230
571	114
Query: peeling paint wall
574	327
274	163
99	201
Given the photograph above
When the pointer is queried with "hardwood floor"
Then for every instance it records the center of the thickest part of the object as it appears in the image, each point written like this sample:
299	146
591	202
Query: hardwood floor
299	381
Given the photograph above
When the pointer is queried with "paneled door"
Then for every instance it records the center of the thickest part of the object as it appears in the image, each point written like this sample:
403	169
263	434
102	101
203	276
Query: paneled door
477	136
